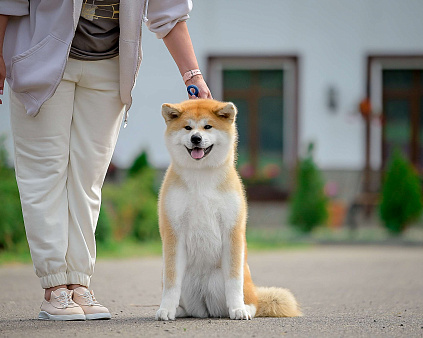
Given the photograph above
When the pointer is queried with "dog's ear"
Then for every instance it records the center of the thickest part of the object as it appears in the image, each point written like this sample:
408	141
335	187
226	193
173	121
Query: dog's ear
227	110
170	112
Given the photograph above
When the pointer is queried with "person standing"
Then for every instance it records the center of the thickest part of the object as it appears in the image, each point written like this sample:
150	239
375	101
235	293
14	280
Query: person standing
71	67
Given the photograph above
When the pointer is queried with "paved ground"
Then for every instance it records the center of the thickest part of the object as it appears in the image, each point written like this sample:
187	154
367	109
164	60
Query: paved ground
344	291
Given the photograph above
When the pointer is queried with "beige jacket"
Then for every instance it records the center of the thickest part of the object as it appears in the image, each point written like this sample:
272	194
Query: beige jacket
40	32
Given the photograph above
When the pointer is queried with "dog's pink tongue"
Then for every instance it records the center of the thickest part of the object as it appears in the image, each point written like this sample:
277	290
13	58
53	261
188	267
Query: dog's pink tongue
197	153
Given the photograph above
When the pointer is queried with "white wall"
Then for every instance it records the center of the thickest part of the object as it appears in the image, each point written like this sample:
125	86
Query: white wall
332	39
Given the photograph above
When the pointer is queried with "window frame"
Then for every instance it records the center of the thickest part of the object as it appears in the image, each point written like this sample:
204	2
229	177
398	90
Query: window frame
289	64
376	64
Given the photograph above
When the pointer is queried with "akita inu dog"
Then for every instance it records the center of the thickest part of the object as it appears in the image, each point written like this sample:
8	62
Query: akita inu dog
202	216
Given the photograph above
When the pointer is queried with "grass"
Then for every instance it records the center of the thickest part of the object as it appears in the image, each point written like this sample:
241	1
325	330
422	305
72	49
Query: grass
19	254
133	249
113	250
368	235
274	239
258	239
129	248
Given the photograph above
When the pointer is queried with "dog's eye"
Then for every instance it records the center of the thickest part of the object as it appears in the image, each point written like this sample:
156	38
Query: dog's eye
188	128
208	126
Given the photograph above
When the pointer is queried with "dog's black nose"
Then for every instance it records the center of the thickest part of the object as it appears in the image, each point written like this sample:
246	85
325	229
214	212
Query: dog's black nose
196	139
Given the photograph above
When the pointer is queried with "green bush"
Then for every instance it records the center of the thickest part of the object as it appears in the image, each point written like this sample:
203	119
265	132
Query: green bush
401	200
3	154
132	206
103	231
12	230
140	163
308	204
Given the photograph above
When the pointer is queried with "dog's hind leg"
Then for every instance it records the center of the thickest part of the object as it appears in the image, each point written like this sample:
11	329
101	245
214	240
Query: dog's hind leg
250	293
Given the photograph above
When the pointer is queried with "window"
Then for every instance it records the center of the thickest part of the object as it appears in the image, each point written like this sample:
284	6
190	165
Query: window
264	92
403	114
395	88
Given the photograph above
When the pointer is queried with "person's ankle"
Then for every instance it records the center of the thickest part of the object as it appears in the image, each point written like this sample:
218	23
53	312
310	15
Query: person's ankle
74	286
48	291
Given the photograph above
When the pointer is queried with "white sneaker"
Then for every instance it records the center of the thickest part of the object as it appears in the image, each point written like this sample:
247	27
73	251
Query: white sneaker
61	307
92	309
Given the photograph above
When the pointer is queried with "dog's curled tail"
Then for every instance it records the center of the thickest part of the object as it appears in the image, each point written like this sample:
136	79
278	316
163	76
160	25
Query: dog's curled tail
276	302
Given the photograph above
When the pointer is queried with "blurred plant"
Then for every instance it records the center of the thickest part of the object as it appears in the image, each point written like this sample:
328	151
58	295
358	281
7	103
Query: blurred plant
3	153
132	206
401	200
271	170
139	164
308	207
247	171
331	189
266	175
103	231
12	229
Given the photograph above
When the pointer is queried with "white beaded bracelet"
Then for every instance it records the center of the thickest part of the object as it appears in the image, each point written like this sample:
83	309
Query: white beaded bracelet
190	74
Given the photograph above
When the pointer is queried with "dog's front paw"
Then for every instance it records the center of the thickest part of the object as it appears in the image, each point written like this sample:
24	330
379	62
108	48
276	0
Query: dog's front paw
165	314
240	314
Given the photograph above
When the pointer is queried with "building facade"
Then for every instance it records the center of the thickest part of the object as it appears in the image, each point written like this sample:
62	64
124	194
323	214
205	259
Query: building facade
297	71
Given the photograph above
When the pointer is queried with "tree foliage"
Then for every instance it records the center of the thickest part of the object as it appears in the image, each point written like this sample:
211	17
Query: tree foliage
131	206
308	203
12	228
401	200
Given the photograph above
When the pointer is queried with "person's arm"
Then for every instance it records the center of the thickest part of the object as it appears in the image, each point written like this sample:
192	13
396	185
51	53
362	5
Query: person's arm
179	44
3	23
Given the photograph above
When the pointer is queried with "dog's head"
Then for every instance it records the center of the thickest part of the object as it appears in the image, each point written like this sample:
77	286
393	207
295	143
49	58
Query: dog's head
200	133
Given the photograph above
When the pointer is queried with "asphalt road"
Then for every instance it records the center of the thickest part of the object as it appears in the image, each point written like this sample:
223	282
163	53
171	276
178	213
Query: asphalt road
344	292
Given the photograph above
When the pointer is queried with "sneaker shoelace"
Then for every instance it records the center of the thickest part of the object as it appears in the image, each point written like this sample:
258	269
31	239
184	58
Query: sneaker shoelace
65	299
90	299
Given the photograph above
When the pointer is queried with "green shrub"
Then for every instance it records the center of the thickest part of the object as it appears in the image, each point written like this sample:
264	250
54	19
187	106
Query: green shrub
308	204
401	200
140	163
103	231
12	230
3	153
132	207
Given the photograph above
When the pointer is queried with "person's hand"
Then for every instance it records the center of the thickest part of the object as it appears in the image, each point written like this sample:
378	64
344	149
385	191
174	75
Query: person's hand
2	75
204	91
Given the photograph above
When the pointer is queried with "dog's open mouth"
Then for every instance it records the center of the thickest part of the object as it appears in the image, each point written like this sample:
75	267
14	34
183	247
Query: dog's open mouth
199	153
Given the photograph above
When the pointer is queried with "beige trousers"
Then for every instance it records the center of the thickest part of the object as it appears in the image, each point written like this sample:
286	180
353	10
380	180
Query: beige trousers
61	159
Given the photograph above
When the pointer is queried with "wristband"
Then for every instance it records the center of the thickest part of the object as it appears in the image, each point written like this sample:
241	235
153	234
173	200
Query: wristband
190	74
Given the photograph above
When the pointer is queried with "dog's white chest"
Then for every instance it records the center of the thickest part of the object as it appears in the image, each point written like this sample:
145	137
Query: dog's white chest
203	218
